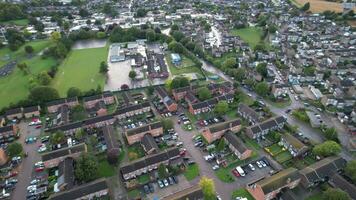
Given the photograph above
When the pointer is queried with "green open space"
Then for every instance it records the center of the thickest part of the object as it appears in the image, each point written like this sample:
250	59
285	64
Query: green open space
17	22
81	69
317	196
283	157
274	149
191	172
186	66
134	194
105	169
242	193
135	152
251	35
143	179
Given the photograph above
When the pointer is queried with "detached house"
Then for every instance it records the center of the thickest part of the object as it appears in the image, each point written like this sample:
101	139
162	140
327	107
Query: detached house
258	130
237	146
215	132
136	134
270	187
294	146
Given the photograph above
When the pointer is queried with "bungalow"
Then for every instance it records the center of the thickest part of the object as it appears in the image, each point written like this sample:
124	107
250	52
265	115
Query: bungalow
248	113
136	134
15	113
53	106
321	171
170	104
237	146
92	190
66	177
107	97
148	163
258	130
132	110
112	143
191	193
294	146
215	132
53	158
270	187
33	111
7	134
149	144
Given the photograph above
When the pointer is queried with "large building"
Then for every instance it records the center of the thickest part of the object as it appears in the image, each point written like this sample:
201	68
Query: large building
215	132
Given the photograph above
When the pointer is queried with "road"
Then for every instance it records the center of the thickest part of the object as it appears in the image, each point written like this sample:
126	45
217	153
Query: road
26	168
306	129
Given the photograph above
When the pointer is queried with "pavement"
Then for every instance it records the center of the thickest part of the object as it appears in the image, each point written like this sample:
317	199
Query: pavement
26	168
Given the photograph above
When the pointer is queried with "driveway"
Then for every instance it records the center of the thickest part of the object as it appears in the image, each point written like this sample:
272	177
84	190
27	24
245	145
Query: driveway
26	167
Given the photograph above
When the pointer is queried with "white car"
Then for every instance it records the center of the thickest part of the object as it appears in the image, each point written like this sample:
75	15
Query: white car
259	164
263	163
42	149
31	188
34	181
216	167
251	167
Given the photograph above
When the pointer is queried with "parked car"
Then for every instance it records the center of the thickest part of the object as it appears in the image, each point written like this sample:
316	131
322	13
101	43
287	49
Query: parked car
170	180
165	182
235	172
151	187
160	184
251	167
263	163
146	189
259	164
216	167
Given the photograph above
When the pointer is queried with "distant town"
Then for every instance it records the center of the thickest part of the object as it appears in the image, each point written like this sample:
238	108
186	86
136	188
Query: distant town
178	100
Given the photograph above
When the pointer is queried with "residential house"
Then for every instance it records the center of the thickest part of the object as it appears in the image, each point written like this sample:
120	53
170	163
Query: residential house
132	110
8	133
2	121
268	188
112	143
62	117
148	163
53	158
190	193
337	181
66	178
156	66
149	144
279	90
180	93
15	113
208	105
215	132
33	111
237	146
107	97
170	104
136	134
248	113
321	171
53	106
92	190
258	130
294	146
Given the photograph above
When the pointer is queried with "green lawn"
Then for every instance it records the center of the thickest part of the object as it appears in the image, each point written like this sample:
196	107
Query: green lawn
187	66
242	193
317	196
283	157
18	22
105	169
274	149
135	152
133	194
251	35
191	172
81	69
143	179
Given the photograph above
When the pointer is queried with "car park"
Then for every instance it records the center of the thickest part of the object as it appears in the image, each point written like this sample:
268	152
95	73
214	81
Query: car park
263	163
251	167
259	164
160	184
165	182
146	189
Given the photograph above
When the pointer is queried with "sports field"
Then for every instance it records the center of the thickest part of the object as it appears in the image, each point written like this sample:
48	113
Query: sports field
319	6
81	69
251	35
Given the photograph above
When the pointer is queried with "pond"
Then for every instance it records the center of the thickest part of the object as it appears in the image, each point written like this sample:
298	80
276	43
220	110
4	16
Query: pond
87	44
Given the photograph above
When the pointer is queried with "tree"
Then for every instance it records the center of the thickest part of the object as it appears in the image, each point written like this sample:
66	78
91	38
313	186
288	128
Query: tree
221	108
141	12
178	82
14	38
14	149
41	94
204	94
174	27
79	134
100	35
240	74
331	134
150	90
167	124
86	168
150	35
10	11
103	67
309	71
350	170
328	148
124	87
305	7
262	88
208	188
43	78
335	194
23	67
162	171
57	138
229	63
132	74
177	35
262	69
29	49
221	145
176	47
74	92
56	36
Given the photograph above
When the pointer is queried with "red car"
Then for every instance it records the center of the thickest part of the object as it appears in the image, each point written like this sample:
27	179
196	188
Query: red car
235	172
39	169
182	153
39	126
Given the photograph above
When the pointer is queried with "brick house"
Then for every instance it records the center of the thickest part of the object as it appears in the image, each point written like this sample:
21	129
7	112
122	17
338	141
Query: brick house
208	105
149	144
170	104
15	113
107	97
294	146
258	130
148	163
53	158
237	146
136	134
33	111
268	188
180	93
112	143
53	106
215	132
66	179
194	192
8	134
132	110
248	113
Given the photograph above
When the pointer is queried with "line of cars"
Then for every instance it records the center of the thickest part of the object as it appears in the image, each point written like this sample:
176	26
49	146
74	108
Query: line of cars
211	121
38	186
167	181
185	121
241	171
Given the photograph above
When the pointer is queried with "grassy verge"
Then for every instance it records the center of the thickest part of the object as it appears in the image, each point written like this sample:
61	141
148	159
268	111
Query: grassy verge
301	115
143	179
251	35
242	193
191	172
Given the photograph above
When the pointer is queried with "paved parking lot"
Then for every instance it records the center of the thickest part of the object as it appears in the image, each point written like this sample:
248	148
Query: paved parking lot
162	192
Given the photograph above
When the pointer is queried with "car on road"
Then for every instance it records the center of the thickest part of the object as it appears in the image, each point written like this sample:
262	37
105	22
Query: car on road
39	169
288	111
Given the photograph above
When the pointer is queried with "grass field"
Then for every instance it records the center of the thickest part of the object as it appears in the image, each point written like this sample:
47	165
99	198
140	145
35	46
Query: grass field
18	22
251	35
187	66
17	84
242	193
191	172
319	6
81	69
